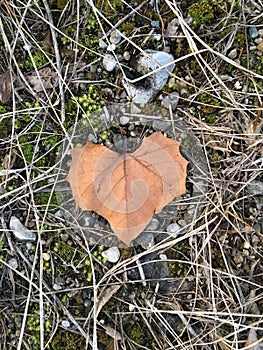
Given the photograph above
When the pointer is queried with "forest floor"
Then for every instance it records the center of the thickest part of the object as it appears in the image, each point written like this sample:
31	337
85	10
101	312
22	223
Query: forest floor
193	278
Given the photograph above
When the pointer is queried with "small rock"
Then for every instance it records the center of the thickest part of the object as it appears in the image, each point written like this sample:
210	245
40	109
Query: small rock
172	28
102	44
182	222
126	55
153	225
131	307
146	240
237	85
29	245
246	245
253	32
157	37
174	229
255	187
65	323
149	87
155	24
238	258
163	257
13	263
115	37
112	254
124	120
111	47
260	47
233	54
59	213
18	322
56	286
20	231
60	280
160	125
109	62
88	221
46	256
171	99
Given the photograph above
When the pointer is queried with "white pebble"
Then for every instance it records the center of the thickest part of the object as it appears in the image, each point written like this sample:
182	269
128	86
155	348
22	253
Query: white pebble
20	231
109	62
115	37
102	44
124	120
13	263
246	245
56	286
126	55
233	54
46	256
111	47
112	254
65	323
174	229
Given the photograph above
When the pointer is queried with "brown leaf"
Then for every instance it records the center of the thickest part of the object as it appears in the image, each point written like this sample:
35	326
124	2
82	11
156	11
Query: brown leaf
6	80
127	189
45	80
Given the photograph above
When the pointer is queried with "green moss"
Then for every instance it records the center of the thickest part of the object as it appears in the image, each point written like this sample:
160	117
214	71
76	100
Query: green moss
67	341
2	109
38	57
135	332
89	101
209	105
201	12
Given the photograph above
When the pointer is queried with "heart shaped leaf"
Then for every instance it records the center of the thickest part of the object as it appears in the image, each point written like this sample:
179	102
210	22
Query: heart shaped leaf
128	189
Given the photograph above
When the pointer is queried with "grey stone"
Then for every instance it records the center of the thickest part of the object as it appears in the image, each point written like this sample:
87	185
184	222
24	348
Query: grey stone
174	229
253	32
171	99
20	231
145	240
13	263
172	28
233	54
115	37
255	187
109	62
151	85
124	120
153	225
102	44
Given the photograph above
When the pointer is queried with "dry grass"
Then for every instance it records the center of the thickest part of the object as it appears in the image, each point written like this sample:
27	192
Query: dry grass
213	298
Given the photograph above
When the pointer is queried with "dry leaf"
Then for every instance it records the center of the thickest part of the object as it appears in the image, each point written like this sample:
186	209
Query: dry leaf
111	332
128	189
47	79
6	80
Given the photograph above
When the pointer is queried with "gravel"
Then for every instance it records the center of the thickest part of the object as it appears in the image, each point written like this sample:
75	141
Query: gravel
112	254
20	232
109	62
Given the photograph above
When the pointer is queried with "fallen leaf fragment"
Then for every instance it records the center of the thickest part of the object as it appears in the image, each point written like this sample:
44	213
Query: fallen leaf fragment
45	79
6	81
128	189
